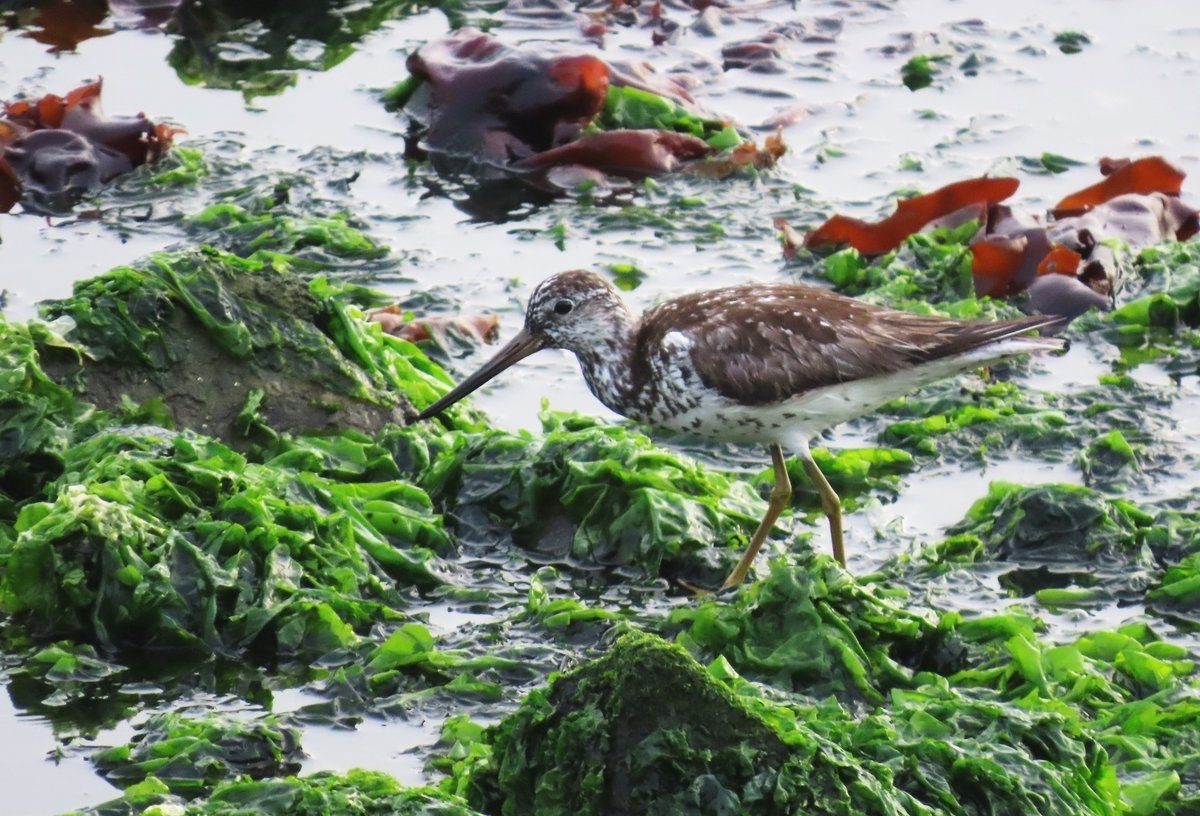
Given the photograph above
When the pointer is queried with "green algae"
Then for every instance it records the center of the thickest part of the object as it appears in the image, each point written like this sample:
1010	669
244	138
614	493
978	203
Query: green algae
1071	41
628	108
246	231
1048	164
190	755
1107	457
411	653
1066	544
1174	536
559	614
1118	433
37	414
1134	693
640	730
356	793
586	491
135	536
1015	519
1159	321
953	419
181	167
176	541
1118	709
853	473
930	273
921	69
203	329
883	705
813	630
645	729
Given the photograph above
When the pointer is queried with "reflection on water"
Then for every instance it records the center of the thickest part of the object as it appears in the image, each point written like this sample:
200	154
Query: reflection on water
37	778
388	745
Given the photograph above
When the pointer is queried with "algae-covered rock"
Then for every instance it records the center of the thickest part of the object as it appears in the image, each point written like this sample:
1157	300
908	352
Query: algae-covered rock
643	730
225	341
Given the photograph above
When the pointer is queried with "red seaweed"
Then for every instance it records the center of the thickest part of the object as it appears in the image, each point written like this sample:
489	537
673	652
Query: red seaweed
57	149
910	217
1136	203
495	111
491	100
623	152
1153	174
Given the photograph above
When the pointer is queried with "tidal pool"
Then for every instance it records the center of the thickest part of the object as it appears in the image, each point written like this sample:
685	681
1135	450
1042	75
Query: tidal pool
855	135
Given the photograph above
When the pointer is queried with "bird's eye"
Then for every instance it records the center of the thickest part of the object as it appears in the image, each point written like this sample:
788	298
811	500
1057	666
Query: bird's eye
563	307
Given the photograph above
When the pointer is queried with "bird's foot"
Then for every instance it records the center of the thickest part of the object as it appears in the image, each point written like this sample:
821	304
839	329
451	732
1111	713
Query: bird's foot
700	591
697	590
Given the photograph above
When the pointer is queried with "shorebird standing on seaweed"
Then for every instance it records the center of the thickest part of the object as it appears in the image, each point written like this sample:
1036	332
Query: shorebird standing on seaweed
767	363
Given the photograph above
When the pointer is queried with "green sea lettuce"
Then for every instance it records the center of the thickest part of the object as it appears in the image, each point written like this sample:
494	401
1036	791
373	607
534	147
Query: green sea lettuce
814	630
1055	536
37	414
645	729
930	273
629	108
852	473
584	490
155	538
191	754
355	793
324	241
1157	319
1136	694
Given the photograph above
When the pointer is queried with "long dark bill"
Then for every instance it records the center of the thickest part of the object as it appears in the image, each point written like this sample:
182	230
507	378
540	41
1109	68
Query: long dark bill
514	351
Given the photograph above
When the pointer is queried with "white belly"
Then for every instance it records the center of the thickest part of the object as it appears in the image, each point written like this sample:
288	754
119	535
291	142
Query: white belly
791	423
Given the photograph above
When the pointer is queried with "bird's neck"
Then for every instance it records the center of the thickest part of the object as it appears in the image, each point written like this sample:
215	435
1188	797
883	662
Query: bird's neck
607	362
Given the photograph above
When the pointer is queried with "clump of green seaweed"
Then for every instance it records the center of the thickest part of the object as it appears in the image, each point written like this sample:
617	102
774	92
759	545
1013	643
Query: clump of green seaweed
190	755
356	793
587	491
646	729
869	708
161	539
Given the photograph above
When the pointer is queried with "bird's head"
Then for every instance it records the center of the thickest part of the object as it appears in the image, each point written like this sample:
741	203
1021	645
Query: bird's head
570	310
573	310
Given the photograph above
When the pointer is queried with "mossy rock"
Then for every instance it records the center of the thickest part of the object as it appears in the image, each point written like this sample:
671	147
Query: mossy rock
643	729
209	334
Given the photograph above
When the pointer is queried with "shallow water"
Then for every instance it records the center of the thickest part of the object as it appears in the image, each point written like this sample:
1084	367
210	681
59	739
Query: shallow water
858	136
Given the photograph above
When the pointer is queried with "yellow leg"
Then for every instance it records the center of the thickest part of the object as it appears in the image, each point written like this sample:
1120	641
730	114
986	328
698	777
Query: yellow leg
781	494
830	503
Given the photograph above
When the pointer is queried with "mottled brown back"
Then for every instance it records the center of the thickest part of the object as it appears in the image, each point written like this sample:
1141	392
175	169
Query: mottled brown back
740	335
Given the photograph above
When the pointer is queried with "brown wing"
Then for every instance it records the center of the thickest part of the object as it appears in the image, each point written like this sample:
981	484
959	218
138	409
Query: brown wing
762	344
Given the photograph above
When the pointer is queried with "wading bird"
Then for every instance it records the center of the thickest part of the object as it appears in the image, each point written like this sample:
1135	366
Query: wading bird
767	363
